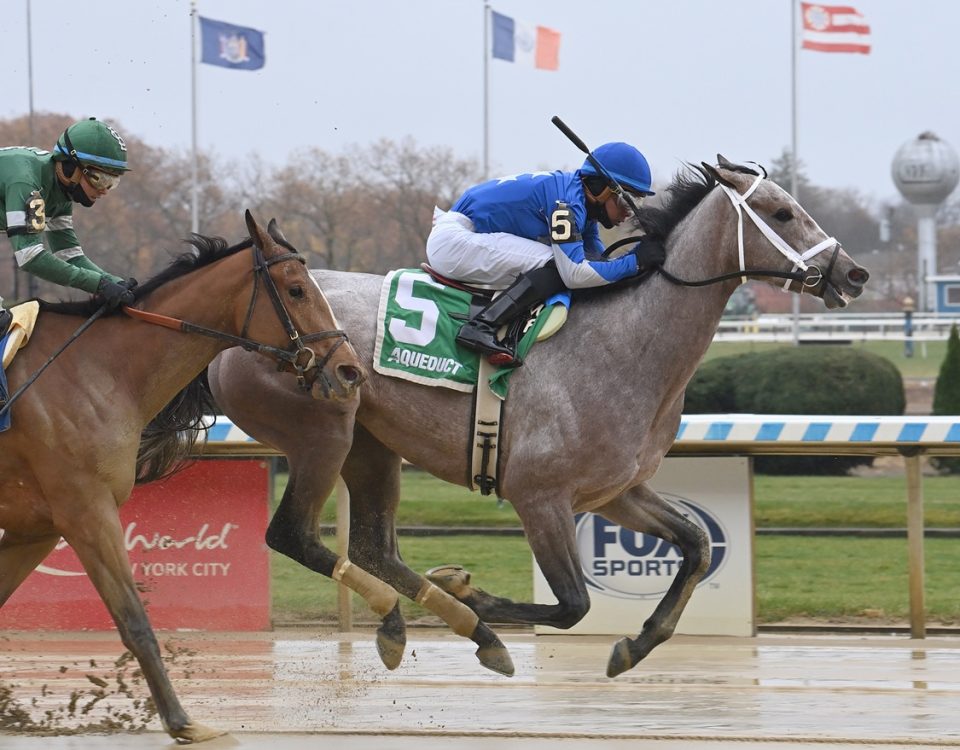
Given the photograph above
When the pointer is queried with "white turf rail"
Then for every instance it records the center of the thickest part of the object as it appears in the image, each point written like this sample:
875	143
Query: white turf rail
740	434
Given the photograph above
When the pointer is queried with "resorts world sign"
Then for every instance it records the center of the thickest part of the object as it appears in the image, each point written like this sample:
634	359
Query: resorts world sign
197	553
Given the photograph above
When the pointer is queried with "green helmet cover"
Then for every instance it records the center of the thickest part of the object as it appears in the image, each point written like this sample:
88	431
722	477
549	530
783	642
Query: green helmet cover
93	143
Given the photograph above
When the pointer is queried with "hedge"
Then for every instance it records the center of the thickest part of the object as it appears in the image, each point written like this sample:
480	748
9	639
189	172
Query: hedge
833	380
946	395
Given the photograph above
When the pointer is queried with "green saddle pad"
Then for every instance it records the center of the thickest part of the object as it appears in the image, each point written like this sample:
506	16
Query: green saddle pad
417	323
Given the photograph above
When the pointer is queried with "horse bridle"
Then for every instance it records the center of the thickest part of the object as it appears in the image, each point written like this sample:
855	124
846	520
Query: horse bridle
301	359
808	276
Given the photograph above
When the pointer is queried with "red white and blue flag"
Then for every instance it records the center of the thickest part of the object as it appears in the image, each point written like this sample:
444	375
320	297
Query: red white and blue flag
834	28
516	41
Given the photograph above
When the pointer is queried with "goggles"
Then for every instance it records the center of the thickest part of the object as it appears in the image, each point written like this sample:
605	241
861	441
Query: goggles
100	180
637	199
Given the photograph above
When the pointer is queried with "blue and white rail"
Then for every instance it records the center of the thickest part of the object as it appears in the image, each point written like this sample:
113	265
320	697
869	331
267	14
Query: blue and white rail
833	435
741	434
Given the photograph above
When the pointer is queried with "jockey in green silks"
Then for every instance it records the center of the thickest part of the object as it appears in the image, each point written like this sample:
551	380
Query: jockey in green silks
37	192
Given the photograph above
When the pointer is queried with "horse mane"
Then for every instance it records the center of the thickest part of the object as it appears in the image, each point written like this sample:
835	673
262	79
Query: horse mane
689	187
205	250
170	438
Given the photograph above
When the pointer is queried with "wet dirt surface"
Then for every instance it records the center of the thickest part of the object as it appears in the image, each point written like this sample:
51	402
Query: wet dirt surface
303	688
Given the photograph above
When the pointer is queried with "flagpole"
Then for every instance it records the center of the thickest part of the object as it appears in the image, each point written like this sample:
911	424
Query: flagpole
795	298
194	192
31	279
486	90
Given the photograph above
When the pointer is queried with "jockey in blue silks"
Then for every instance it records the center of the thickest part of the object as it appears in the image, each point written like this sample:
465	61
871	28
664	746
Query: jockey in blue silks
537	234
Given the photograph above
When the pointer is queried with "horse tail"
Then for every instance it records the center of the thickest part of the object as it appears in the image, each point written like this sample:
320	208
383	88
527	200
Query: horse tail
170	437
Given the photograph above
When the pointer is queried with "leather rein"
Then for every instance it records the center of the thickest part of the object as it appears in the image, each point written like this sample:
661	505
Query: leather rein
298	356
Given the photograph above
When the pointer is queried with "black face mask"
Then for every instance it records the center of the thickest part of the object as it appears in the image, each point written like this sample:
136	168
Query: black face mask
77	195
598	212
75	190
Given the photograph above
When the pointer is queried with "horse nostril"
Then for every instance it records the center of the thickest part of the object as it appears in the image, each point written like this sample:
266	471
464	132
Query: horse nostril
858	276
349	375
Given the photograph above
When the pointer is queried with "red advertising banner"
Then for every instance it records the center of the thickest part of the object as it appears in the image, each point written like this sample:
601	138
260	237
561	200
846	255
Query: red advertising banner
196	546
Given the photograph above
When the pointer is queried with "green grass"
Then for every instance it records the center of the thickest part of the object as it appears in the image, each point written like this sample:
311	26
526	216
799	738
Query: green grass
828	578
835	578
917	366
837	502
780	502
501	564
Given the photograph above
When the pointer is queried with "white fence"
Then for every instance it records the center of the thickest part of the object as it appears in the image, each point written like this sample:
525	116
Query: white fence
839	327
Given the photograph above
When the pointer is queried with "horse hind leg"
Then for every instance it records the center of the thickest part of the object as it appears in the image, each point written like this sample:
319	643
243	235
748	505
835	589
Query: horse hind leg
98	543
372	475
551	534
292	532
643	510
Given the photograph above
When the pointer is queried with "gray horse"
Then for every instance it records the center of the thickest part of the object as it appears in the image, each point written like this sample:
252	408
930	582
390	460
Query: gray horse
588	419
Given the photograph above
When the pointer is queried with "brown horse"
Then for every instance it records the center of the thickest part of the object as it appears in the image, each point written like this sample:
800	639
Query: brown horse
588	419
70	458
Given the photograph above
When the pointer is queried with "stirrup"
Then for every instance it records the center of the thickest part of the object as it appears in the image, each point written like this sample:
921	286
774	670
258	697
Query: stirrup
501	359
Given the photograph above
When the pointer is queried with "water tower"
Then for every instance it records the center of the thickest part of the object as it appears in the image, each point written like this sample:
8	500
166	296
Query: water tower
926	171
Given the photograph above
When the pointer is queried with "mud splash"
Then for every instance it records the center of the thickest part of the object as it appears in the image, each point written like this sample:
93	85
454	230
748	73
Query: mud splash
116	699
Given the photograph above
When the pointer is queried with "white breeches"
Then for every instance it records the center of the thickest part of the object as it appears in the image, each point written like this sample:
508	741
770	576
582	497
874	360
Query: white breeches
455	250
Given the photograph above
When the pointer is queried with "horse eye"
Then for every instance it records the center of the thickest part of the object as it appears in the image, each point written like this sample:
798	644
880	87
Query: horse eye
783	214
296	292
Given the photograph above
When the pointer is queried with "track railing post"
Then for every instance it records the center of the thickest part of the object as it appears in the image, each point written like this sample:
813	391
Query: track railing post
915	526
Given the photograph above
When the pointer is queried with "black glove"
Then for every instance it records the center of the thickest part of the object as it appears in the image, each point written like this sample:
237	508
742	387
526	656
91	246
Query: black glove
116	293
649	253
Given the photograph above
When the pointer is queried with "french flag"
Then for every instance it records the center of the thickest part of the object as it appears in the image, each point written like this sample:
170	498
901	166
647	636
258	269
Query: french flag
516	41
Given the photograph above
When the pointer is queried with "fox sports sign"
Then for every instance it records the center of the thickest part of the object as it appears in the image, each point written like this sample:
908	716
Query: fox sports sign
629	565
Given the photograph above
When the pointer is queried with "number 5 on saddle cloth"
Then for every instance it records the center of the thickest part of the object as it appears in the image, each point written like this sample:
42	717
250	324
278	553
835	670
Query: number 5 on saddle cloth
417	323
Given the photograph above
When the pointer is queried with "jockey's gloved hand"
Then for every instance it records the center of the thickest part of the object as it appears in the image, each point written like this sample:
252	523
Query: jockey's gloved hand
116	293
649	253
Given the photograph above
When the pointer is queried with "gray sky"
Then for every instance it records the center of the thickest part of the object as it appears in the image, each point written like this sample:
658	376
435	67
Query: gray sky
680	79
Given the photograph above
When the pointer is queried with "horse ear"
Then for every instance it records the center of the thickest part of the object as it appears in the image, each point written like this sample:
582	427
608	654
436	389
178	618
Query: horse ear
256	233
717	175
724	162
274	231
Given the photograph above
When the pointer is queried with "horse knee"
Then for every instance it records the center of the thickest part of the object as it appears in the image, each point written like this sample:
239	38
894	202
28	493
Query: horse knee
281	538
571	613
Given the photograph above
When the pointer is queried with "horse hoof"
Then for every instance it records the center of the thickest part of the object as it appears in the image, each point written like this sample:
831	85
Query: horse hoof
496	658
392	638
193	732
490	650
450	578
621	658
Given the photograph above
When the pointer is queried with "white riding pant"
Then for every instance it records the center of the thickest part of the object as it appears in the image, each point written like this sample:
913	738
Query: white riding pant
456	251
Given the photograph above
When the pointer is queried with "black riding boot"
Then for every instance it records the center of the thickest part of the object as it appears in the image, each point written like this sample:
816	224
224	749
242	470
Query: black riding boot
480	332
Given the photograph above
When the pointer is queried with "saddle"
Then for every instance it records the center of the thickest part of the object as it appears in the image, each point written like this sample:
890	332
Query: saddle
21	321
484	440
481	294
